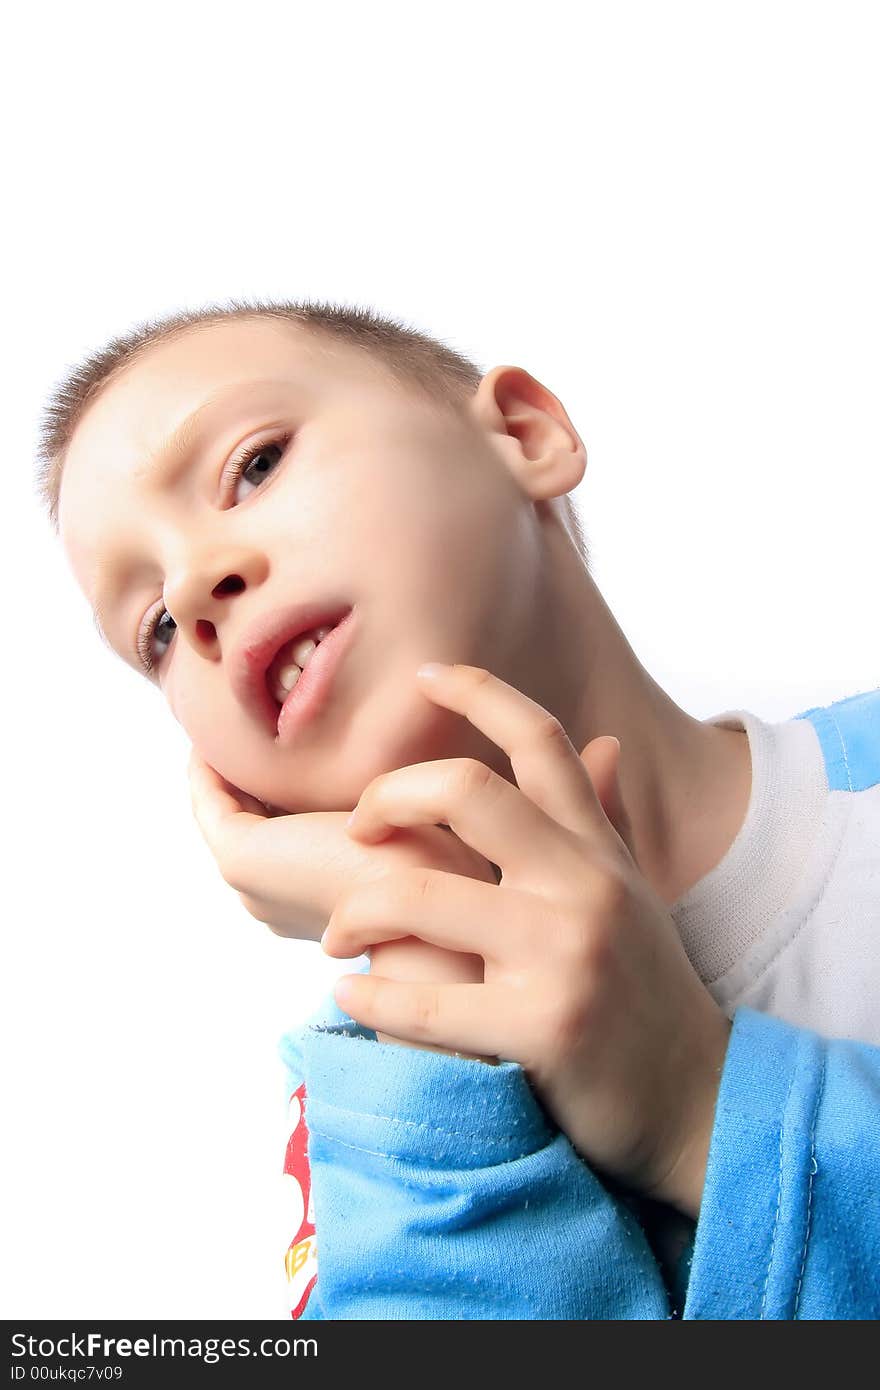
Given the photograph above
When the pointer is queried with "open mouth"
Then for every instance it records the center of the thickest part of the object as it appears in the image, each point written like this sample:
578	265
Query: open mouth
299	695
289	662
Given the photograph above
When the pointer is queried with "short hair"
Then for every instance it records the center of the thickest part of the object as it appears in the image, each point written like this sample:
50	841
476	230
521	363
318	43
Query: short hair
419	362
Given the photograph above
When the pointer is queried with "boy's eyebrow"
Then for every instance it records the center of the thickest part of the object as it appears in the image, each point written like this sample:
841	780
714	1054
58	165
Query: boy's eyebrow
160	469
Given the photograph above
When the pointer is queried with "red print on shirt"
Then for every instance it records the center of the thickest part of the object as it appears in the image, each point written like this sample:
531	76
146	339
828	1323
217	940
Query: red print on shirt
301	1260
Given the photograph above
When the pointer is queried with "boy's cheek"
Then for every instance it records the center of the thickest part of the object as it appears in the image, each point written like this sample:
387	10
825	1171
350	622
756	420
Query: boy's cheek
192	710
168	688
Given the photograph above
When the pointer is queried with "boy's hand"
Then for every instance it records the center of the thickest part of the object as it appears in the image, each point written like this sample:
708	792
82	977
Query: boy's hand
289	871
586	982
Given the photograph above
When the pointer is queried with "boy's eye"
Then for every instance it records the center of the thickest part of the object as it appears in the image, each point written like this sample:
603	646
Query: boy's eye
147	634
255	459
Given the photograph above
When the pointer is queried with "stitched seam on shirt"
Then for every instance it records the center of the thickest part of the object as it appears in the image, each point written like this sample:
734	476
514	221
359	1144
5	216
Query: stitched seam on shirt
778	1199
404	1158
430	1129
813	1169
842	749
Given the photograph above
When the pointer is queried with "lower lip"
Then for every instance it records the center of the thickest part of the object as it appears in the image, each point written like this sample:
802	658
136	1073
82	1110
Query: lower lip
312	691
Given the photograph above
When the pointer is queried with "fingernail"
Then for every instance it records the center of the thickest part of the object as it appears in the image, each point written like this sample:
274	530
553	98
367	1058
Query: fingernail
343	991
431	669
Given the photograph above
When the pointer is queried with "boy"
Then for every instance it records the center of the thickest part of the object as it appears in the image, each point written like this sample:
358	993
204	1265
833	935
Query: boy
236	488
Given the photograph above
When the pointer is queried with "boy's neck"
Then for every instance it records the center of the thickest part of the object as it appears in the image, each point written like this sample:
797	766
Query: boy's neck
686	784
687	823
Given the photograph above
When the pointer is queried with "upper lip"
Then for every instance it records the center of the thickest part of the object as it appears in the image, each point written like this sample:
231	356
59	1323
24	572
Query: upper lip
264	639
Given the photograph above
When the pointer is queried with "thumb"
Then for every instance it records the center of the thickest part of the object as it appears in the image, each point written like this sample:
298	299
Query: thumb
601	758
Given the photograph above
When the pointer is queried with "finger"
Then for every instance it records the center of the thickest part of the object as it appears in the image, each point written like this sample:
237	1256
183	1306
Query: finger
217	810
287	869
463	1017
481	807
246	802
601	757
545	763
445	909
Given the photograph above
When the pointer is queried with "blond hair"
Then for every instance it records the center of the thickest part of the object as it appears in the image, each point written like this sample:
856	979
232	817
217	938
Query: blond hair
416	360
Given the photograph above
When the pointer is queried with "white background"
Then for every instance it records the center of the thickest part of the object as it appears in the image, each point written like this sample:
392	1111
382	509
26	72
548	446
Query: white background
668	213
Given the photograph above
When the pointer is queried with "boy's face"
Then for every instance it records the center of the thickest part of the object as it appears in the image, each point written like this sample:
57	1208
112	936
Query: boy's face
365	495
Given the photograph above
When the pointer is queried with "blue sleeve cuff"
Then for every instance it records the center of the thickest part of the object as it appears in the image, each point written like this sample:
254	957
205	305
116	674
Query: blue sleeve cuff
426	1107
441	1191
290	1046
789	1224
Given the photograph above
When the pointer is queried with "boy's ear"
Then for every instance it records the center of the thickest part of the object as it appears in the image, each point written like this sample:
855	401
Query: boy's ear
529	424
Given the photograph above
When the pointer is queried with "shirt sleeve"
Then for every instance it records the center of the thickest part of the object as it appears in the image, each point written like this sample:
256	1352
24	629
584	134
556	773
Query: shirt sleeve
789	1224
442	1191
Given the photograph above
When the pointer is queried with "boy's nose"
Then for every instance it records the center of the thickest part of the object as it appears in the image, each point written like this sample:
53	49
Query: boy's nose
205	630
193	594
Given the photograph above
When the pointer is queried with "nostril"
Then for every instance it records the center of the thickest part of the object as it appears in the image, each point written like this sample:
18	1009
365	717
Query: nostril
232	584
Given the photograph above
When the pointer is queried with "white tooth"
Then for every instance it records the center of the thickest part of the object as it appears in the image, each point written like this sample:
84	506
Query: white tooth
289	675
300	653
285	680
302	650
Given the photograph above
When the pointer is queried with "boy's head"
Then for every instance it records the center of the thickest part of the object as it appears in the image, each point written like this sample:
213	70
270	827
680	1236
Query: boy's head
382	472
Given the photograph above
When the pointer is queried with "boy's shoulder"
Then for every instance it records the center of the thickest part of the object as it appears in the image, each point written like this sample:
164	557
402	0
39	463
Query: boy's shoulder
849	735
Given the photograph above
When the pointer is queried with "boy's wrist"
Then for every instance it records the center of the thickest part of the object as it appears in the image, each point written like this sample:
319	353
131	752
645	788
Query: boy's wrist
682	1186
